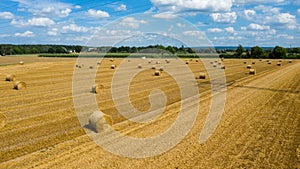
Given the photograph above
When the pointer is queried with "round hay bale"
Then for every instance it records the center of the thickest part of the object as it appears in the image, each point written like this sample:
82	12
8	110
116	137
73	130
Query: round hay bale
128	60
253	62
153	67
222	59
19	85
290	61
157	73
245	62
219	62
10	78
161	68
197	60
21	63
3	120
150	61
191	60
260	60
157	62
278	63
252	71
222	66
214	65
96	88
211	62
248	66
187	62
98	63
98	121
91	67
112	66
76	65
269	62
79	66
112	60
280	60
139	66
167	61
202	75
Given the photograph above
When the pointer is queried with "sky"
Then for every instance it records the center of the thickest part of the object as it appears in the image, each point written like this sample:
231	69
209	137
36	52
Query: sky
265	23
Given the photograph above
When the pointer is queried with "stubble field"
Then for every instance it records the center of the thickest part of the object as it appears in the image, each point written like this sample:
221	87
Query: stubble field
260	127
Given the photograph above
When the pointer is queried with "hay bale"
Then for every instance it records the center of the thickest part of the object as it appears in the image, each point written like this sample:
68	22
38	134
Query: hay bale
96	88
157	62
10	78
222	59
280	60
245	62
19	85
98	63
21	63
219	62
76	65
91	67
187	62
290	61
167	61
3	120
139	66
161	68
150	61
252	71
202	75
260	60
153	67
278	63
248	66
98	121
211	62
79	66
253	62
197	60
157	73
112	66
222	66
128	60
112	60
214	65
269	62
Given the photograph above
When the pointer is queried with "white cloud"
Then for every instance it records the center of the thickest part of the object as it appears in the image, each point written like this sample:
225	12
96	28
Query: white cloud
230	30
214	30
193	5
53	32
254	26
97	13
229	17
40	22
249	14
180	25
25	34
132	22
243	28
77	6
282	20
257	1
165	15
6	15
48	8
193	33
74	28
122	7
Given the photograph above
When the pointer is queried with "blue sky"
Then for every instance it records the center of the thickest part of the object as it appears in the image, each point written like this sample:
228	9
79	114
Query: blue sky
221	22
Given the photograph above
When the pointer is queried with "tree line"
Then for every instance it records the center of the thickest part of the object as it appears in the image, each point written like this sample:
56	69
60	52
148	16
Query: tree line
277	52
240	52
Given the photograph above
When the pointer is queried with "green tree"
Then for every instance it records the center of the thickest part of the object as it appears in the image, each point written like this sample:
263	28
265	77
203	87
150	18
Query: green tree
278	52
257	52
240	50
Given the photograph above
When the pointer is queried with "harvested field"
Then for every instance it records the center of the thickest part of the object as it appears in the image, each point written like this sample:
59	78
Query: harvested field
259	128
